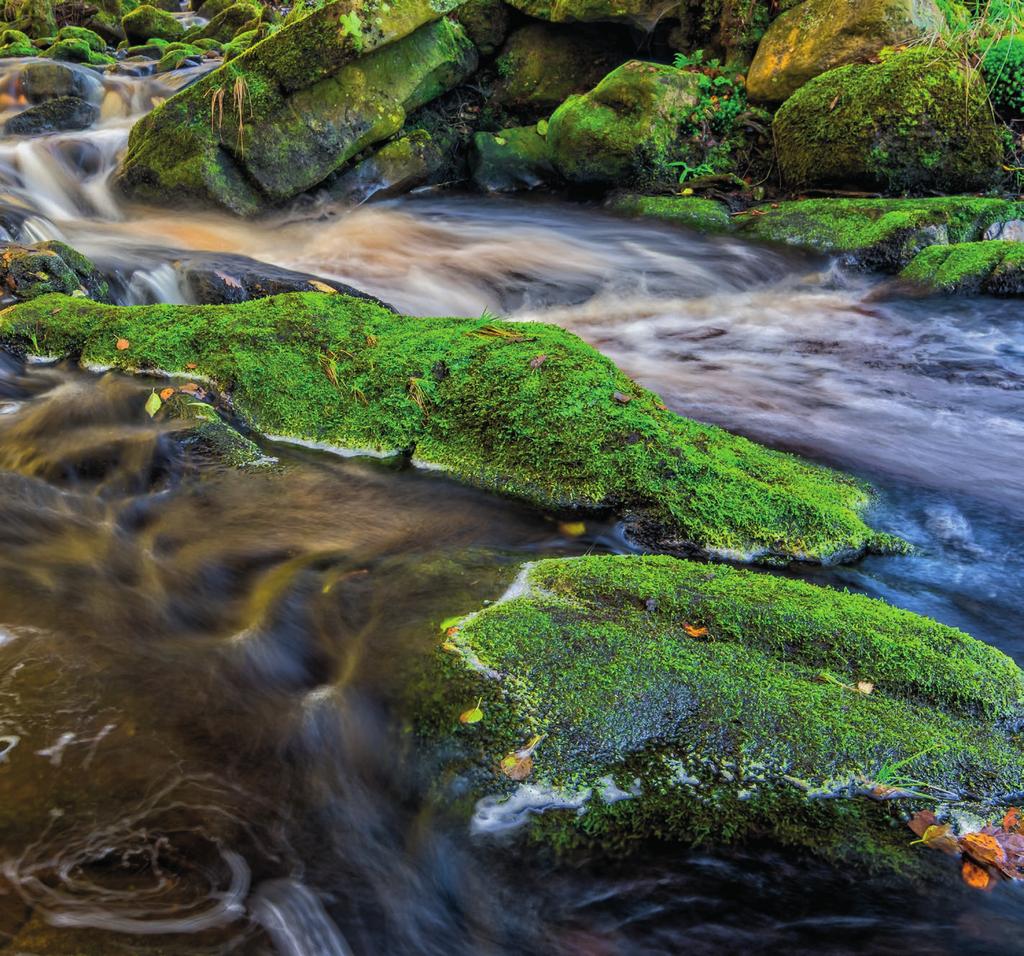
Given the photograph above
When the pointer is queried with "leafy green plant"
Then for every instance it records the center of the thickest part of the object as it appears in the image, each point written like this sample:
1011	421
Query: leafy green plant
712	123
1003	65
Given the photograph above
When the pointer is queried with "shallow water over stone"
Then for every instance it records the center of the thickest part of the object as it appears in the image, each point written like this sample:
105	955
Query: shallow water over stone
205	673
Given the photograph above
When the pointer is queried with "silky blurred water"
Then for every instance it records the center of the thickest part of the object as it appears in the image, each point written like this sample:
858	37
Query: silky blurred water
205	673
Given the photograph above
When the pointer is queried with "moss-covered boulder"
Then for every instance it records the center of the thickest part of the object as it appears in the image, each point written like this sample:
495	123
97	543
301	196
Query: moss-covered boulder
179	55
680	700
210	8
74	50
242	42
147	22
994	268
27	272
297	106
919	121
639	13
486	22
542	65
883	234
95	42
238	18
628	129
820	35
512	159
878	233
524	409
15	43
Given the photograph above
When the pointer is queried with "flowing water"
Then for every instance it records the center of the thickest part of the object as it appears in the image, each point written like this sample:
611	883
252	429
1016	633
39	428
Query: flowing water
205	673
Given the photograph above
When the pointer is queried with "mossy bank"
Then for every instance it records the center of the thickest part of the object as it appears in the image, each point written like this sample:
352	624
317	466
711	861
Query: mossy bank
524	409
705	703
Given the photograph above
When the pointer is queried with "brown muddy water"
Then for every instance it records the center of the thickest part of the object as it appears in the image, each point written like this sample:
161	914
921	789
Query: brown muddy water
205	673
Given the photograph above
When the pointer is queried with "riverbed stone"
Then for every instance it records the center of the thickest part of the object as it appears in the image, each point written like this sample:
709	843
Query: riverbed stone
673	699
820	35
638	13
148	23
919	121
284	130
231	21
524	409
512	160
398	167
41	81
542	65
486	22
626	130
27	272
59	114
992	268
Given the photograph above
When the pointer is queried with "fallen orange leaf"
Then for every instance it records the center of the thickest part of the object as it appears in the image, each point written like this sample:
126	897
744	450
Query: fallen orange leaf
123	345
1012	820
694	631
983	848
167	394
975	875
940	837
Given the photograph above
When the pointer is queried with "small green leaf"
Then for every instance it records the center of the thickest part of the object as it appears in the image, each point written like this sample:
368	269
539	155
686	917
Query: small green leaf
153	404
542	128
472	716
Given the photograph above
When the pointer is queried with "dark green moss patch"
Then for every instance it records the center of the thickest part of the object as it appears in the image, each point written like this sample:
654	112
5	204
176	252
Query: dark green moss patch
525	409
993	267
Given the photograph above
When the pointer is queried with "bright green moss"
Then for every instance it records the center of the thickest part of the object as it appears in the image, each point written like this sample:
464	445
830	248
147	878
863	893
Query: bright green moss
94	40
691	212
877	233
966	268
1003	65
525	409
734	731
916	122
15	43
148	23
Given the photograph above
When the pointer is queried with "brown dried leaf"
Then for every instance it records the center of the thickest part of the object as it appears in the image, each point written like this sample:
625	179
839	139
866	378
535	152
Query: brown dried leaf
167	394
983	848
921	821
622	398
1013	820
694	631
537	361
976	876
940	837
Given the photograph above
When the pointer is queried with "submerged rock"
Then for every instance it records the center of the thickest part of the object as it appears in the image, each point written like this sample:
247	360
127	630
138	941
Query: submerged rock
820	35
528	410
219	279
57	114
297	106
994	267
41	81
698	702
919	121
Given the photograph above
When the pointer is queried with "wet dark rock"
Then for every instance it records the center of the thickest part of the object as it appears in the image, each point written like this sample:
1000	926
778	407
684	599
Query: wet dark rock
212	279
399	167
61	113
42	81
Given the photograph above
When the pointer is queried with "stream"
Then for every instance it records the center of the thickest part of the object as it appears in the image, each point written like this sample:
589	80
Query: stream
205	673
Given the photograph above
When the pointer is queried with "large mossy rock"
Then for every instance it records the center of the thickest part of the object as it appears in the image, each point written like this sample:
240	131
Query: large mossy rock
148	23
524	409
628	129
639	13
919	121
820	35
542	65
231	21
705	703
297	106
36	18
994	268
